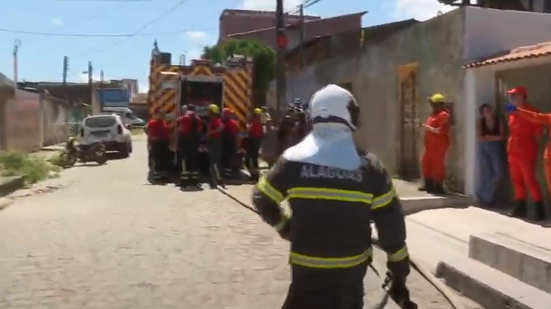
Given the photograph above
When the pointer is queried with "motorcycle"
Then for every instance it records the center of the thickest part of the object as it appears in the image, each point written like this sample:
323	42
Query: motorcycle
75	152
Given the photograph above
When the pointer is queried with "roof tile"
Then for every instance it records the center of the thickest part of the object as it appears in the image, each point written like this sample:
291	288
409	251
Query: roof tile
519	53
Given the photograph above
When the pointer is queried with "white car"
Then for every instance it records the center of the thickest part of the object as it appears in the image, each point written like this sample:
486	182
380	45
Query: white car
109	129
127	115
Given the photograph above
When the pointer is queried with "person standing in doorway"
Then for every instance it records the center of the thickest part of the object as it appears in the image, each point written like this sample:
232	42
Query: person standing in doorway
437	142
522	151
490	132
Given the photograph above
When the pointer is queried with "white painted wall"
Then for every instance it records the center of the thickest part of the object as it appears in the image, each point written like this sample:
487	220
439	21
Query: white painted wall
490	31
486	33
479	89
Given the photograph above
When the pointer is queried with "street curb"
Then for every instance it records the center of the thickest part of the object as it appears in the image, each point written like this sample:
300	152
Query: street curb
480	292
11	184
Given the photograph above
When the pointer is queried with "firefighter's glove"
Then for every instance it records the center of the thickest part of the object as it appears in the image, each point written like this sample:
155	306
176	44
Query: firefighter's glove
400	295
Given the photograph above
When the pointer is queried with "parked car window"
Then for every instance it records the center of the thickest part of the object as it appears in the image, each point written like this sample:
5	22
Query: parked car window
100	122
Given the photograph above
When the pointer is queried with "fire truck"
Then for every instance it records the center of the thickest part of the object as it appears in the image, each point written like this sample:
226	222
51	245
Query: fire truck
201	83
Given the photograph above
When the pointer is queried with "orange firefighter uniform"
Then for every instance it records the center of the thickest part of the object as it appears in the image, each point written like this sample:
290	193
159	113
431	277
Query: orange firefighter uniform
543	119
522	151
437	142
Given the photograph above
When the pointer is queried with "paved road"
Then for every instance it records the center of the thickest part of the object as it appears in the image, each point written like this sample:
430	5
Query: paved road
100	237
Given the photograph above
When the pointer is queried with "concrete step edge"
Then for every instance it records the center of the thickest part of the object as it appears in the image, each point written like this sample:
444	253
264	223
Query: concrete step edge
490	288
521	261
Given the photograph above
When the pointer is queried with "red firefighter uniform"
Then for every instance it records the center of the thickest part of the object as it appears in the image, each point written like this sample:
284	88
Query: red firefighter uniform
522	151
230	141
158	137
255	132
437	142
190	127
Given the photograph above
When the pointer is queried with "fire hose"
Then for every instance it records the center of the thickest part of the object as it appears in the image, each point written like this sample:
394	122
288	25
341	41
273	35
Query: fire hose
387	284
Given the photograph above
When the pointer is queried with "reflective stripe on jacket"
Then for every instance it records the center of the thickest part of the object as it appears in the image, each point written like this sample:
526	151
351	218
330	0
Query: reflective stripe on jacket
332	210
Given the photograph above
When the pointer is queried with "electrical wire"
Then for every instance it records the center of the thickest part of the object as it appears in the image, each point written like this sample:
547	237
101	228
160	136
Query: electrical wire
42	35
143	27
305	4
97	35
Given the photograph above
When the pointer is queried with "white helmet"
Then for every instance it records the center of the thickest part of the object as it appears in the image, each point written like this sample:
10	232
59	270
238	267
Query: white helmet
334	105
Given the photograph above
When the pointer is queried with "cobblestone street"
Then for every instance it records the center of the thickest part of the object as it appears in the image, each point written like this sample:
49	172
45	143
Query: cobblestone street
107	239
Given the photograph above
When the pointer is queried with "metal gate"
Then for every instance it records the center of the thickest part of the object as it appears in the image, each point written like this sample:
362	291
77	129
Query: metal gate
409	158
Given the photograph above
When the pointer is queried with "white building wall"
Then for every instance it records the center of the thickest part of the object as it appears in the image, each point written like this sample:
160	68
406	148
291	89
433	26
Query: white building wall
488	32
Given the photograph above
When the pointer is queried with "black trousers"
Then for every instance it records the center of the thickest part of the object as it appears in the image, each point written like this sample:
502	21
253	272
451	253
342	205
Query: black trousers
228	156
188	154
160	156
252	151
306	298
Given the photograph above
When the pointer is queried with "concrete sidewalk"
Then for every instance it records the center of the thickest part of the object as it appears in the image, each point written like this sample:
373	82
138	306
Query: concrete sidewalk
497	261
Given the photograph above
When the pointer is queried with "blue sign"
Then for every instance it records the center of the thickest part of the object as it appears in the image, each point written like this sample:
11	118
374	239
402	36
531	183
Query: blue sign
114	95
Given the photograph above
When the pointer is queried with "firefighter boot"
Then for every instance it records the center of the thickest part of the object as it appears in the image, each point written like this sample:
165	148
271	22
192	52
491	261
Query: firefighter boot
519	209
539	212
437	188
194	179
185	181
428	185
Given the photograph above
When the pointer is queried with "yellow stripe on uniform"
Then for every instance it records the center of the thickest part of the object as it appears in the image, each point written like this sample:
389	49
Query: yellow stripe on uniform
282	223
383	200
265	187
398	255
331	194
329	263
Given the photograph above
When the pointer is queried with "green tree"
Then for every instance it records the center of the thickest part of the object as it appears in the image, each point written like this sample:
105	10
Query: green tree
263	56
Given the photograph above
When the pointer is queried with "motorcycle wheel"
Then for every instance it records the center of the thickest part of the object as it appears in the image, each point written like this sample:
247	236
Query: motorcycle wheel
68	159
100	156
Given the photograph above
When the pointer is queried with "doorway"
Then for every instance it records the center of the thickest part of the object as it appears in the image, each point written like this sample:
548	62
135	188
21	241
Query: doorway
408	158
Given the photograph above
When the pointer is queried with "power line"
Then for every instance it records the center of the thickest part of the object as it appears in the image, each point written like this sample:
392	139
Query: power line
94	35
143	27
305	4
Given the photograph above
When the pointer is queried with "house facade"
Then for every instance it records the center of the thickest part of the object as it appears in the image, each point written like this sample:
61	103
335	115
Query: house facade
393	74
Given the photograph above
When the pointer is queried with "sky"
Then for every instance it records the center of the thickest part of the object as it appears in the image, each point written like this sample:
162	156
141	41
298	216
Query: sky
117	35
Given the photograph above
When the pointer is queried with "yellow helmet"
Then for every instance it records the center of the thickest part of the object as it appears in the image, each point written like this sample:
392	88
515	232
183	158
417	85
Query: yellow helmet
214	108
257	111
436	98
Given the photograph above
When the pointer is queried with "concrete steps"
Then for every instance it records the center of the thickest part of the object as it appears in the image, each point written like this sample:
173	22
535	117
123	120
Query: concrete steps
506	264
526	262
489	287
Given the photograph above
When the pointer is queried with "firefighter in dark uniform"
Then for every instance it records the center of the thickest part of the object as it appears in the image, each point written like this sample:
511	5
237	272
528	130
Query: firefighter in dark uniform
285	130
158	137
230	137
190	127
334	193
253	142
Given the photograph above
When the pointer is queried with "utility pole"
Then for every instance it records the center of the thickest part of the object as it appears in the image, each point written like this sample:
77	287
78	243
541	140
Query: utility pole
93	99
302	36
282	40
65	69
16	45
65	73
101	102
